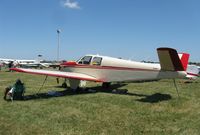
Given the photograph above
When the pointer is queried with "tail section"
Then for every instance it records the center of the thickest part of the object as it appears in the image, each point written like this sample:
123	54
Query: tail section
171	61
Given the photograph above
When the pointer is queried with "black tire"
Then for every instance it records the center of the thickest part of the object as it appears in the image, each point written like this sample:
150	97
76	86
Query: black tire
106	84
64	85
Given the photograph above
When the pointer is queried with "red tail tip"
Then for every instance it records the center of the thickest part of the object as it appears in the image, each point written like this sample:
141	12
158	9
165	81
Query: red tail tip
184	57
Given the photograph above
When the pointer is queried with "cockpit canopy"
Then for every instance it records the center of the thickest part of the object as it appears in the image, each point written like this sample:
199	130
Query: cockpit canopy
90	60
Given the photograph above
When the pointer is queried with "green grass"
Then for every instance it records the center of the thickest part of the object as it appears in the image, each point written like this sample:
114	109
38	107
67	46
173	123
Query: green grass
147	108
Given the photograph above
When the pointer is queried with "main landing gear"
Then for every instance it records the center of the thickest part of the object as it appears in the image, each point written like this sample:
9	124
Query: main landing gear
106	84
64	84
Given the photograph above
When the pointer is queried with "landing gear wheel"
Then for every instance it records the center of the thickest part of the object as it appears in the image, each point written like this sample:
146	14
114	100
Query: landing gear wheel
64	85
106	84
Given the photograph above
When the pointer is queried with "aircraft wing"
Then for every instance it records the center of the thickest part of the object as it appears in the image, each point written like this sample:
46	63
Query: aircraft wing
72	75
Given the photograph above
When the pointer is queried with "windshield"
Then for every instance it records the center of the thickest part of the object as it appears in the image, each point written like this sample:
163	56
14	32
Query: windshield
85	60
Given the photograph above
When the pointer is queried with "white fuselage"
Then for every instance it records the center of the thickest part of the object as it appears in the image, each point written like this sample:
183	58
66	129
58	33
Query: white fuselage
119	70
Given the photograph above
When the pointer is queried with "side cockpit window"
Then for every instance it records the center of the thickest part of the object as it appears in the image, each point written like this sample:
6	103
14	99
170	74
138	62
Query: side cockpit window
96	61
85	60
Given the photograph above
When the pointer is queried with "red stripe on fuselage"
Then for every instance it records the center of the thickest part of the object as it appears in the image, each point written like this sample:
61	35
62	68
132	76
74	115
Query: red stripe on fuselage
108	67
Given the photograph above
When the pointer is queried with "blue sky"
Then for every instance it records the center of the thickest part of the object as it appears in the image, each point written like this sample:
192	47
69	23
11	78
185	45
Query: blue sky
131	29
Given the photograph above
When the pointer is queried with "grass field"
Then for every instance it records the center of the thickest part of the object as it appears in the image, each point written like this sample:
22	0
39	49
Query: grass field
147	108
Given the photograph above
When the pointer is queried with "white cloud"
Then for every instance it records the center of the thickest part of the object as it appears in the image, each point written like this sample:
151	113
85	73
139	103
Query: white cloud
71	4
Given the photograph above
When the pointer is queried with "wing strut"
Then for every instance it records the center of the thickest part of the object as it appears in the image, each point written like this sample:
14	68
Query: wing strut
42	84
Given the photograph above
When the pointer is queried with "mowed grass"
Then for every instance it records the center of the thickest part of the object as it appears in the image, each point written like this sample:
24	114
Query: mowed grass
147	108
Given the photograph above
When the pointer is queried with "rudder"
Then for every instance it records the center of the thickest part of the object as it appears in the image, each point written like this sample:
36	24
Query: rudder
184	57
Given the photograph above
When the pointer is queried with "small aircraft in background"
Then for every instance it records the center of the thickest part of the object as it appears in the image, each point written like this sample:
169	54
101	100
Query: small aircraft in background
105	69
25	63
199	69
33	64
6	61
192	72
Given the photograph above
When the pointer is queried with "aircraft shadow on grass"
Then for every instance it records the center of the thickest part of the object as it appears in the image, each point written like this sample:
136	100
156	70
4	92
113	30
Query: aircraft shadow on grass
114	89
155	98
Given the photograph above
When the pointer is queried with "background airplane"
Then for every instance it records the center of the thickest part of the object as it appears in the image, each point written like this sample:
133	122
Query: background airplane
192	72
25	63
6	61
199	69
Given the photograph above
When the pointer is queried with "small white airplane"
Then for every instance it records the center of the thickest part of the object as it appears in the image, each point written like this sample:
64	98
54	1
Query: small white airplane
32	64
199	69
25	63
6	61
105	69
192	72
